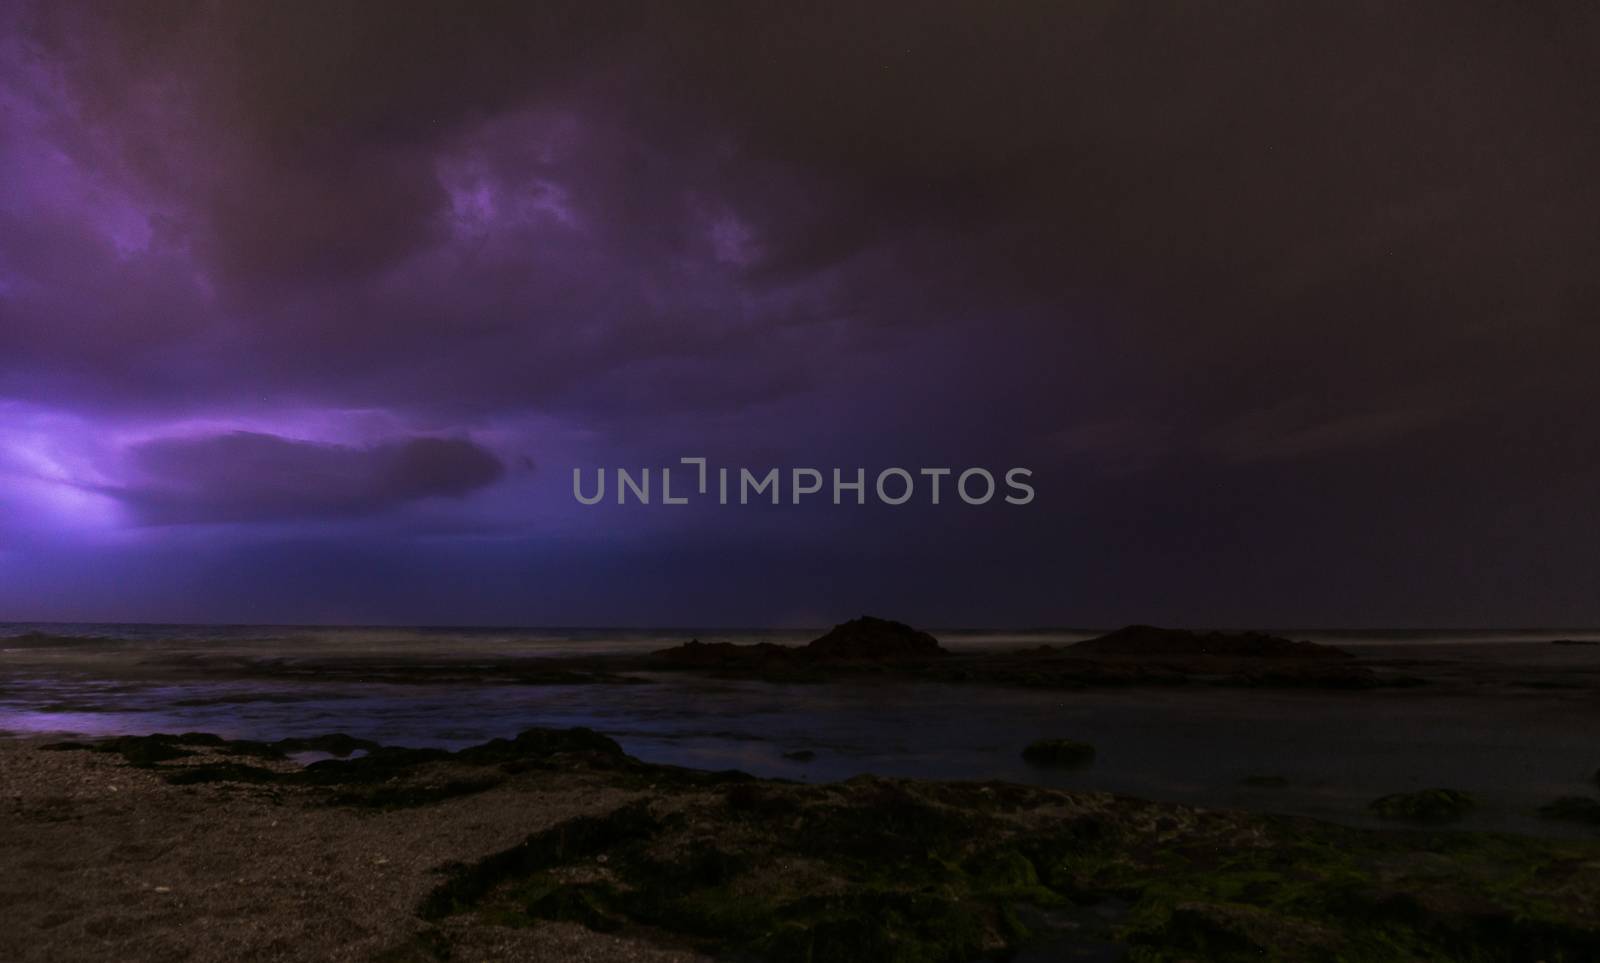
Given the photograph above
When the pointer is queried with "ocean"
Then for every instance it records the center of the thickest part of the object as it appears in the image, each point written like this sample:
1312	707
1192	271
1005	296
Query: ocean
1512	722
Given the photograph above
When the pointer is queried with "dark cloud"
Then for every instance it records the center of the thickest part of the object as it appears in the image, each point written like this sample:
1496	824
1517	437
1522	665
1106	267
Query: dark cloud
247	476
1182	248
1268	190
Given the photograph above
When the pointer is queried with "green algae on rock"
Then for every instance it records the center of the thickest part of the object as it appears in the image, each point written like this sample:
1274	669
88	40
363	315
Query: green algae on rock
878	869
865	870
909	871
382	777
1424	806
1578	809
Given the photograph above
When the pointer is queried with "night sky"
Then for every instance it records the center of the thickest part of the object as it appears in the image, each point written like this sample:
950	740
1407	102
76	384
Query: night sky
308	311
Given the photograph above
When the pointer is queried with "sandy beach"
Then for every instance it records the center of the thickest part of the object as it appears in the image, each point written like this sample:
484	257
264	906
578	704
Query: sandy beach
557	845
106	861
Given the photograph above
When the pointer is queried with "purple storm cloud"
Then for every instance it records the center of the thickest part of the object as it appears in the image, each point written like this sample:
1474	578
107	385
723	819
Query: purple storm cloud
307	313
248	476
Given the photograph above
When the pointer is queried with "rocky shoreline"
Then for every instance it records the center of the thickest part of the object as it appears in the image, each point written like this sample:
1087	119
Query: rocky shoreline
557	845
870	648
1135	655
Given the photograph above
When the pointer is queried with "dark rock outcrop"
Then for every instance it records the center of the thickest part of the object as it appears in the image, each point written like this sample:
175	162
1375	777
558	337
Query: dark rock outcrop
873	639
1578	809
866	639
1134	656
717	655
1425	806
876	869
383	777
1317	675
1059	752
1150	640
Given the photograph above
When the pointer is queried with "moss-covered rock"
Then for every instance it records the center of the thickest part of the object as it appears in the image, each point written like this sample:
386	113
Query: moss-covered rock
1580	809
147	751
924	872
877	869
1059	752
867	870
383	777
1424	806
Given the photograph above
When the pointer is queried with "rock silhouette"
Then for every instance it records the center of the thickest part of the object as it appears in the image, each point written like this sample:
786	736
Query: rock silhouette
874	638
1150	640
866	639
